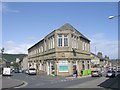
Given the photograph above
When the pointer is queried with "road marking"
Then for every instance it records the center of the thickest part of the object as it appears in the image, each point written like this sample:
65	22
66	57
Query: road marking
32	78
39	84
24	84
54	82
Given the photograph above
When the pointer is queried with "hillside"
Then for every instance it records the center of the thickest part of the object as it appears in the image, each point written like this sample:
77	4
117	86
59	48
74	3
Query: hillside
12	57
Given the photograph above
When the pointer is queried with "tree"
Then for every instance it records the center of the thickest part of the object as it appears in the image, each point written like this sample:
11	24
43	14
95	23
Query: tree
106	57
16	65
99	54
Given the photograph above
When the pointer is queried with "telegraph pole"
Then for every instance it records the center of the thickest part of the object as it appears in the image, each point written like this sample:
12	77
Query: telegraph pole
95	50
2	50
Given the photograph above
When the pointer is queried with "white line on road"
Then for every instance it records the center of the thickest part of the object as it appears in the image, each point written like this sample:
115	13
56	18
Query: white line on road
32	78
25	84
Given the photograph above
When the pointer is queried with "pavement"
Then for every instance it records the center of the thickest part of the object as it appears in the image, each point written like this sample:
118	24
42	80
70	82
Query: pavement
44	81
7	82
90	84
72	77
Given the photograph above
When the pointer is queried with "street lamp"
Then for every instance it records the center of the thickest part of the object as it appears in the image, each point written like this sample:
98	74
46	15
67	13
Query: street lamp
2	50
111	17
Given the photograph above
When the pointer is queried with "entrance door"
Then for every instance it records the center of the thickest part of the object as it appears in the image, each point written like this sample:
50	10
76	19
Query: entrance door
48	68
74	66
53	67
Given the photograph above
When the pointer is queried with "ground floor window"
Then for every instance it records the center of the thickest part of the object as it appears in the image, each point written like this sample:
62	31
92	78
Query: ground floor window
63	66
88	62
52	67
74	66
83	65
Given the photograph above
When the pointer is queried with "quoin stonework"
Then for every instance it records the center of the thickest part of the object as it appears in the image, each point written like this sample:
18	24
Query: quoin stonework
61	52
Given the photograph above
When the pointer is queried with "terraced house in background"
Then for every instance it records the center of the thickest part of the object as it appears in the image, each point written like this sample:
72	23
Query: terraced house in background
61	52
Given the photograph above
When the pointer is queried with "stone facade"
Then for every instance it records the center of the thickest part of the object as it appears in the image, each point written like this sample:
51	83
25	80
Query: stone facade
99	62
24	63
61	52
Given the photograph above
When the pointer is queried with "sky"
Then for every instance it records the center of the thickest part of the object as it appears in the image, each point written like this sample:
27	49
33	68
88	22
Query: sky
26	23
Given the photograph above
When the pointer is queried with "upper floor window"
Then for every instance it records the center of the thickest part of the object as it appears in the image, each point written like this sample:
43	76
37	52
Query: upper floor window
51	41
60	40
41	48
45	46
75	41
88	47
65	40
85	46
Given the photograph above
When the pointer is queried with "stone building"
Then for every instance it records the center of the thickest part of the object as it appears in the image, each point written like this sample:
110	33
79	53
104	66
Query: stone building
61	52
24	63
99	62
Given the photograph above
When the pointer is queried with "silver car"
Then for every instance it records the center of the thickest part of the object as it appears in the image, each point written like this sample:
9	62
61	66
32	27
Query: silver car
110	73
96	74
32	71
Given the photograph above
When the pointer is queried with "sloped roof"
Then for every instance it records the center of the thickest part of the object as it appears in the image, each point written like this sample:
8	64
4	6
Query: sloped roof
68	26
98	56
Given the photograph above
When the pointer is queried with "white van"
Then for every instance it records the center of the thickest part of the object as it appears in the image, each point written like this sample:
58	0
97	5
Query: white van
32	71
6	71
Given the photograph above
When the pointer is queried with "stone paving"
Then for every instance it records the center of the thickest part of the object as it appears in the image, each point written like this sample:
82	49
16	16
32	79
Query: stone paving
7	82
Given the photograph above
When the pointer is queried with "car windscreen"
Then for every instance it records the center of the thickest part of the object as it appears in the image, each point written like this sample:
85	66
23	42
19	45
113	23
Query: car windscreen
94	71
110	72
32	69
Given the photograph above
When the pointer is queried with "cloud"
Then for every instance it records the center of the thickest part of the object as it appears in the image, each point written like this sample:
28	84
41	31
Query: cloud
12	47
104	45
4	8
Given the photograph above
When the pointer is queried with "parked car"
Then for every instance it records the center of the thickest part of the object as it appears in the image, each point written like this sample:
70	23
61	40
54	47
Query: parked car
110	73
96	73
118	69
20	71
16	70
32	71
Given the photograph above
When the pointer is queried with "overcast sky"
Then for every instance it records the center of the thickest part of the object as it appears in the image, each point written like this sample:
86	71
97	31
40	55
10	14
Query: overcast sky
24	24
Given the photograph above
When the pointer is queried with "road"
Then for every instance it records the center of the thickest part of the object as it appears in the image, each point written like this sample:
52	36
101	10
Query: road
45	81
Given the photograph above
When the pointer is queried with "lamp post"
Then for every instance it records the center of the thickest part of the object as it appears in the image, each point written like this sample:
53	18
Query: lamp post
111	17
2	50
